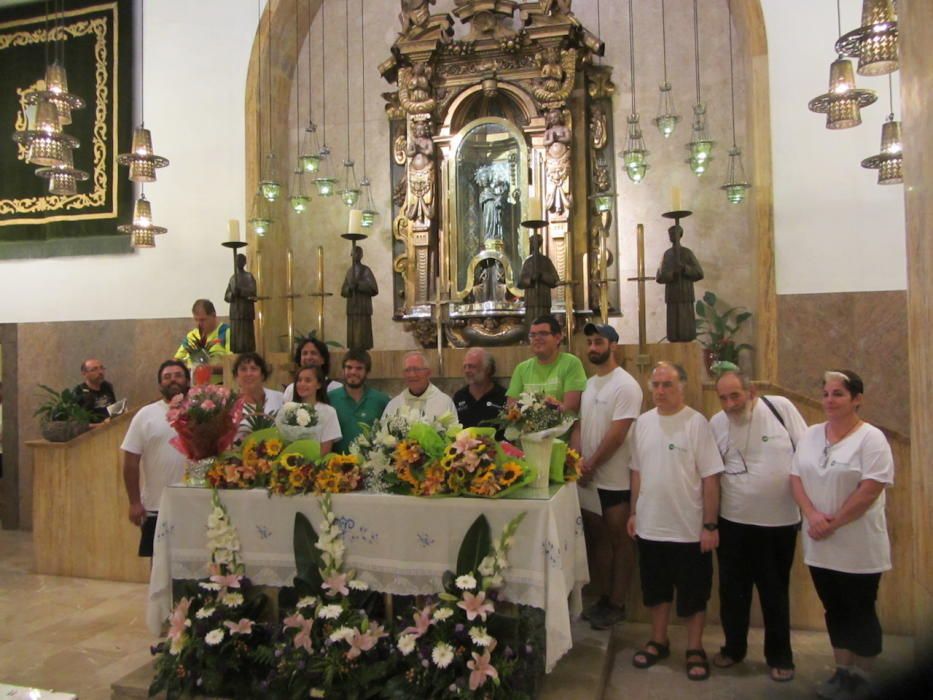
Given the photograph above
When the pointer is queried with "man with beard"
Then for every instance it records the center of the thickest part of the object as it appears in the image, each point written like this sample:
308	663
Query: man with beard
483	397
355	402
146	445
758	519
610	404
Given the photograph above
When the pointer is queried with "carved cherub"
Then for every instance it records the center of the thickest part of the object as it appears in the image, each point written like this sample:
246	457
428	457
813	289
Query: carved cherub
558	70
415	89
557	139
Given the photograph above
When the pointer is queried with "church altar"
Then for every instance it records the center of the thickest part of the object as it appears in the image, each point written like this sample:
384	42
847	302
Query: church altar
397	544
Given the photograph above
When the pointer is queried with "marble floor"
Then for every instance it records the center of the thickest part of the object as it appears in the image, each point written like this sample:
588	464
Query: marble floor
80	636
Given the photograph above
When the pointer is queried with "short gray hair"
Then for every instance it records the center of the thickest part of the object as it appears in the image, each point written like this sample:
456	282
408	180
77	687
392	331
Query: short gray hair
681	372
417	353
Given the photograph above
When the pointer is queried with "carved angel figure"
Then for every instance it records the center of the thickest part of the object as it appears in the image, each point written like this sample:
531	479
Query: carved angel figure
558	70
420	207
415	90
415	13
557	141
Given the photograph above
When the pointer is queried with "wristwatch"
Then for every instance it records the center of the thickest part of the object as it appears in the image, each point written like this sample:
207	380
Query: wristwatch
712	527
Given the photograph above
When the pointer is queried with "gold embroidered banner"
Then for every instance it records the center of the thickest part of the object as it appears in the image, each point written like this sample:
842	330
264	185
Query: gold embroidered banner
96	39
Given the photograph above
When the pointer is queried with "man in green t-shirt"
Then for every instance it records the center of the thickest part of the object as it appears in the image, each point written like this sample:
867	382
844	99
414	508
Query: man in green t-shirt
550	371
355	402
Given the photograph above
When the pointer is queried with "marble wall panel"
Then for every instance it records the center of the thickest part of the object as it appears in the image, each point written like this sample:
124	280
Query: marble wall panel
862	331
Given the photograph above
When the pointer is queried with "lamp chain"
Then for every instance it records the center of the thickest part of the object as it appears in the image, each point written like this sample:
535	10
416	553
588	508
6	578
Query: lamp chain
323	83
631	39
346	44
664	40
363	81
696	47
731	74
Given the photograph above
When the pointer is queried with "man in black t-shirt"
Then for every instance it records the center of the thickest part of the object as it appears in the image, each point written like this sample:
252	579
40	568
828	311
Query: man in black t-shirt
483	397
95	393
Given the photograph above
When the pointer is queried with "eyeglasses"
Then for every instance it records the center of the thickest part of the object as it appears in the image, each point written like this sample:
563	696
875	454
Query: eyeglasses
726	462
539	334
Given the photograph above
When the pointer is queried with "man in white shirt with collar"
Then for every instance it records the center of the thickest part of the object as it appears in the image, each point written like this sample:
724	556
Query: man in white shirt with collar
758	518
420	394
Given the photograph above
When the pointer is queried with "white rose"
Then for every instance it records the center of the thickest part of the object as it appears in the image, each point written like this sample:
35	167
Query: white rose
214	637
302	418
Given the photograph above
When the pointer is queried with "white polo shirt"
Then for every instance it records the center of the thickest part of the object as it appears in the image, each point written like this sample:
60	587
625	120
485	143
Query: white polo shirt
615	396
672	454
160	463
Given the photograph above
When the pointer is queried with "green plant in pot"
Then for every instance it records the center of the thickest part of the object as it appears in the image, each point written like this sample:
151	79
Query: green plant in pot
61	414
716	330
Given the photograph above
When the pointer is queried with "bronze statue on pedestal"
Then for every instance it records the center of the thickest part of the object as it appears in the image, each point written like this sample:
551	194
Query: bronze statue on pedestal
679	270
241	295
359	288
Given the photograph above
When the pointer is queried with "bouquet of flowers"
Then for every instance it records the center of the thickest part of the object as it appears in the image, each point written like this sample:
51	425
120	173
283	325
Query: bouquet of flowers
295	420
301	469
328	646
376	445
533	413
475	465
215	644
459	646
206	420
566	463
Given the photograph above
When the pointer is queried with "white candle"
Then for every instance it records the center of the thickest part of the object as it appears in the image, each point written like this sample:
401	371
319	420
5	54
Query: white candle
534	206
356	221
675	199
233	227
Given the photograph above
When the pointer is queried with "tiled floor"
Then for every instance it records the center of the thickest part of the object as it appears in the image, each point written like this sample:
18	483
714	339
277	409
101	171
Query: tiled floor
80	636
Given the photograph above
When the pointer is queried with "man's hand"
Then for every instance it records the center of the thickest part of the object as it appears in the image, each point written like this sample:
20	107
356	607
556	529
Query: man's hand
709	540
137	514
586	472
630	526
819	525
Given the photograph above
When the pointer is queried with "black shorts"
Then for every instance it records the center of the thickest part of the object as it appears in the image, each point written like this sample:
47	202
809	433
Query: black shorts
666	566
608	499
849	602
147	535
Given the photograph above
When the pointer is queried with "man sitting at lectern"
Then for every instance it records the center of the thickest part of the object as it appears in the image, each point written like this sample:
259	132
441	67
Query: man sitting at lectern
550	372
420	394
146	448
95	393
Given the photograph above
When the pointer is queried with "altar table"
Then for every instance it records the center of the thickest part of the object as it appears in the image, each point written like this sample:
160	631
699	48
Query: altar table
396	544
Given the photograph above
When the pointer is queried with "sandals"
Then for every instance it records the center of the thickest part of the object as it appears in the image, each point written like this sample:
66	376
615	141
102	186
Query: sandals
651	653
703	664
781	675
723	660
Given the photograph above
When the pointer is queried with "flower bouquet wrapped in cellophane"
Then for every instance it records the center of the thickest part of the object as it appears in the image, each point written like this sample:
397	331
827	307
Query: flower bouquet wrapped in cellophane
205	420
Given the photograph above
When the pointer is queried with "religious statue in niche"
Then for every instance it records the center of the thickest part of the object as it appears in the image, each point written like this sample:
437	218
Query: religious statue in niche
557	142
241	295
359	288
538	277
493	198
420	152
679	270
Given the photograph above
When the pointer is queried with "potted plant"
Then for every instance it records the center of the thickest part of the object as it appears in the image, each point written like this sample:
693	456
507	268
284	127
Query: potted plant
716	330
62	415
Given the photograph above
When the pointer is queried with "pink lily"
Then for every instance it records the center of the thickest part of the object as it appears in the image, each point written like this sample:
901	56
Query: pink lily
336	583
422	621
366	641
476	605
303	638
481	668
179	619
244	626
229	581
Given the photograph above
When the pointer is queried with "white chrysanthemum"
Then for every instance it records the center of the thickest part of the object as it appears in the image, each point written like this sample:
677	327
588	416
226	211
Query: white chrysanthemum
358	585
209	586
232	600
442	654
341	634
204	613
442	614
309	601
406	644
329	612
466	582
214	637
480	636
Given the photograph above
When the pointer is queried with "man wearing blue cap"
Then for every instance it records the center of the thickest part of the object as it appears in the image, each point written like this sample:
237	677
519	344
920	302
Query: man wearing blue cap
610	404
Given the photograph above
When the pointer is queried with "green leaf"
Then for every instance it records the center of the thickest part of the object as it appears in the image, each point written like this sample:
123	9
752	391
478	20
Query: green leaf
701	309
476	545
743	317
307	557
710	298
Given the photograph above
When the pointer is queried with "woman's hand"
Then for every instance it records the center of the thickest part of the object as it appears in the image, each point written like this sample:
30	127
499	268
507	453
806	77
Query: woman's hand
819	525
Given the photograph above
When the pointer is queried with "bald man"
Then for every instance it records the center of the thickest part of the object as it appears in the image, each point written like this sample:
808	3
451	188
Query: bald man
483	397
95	393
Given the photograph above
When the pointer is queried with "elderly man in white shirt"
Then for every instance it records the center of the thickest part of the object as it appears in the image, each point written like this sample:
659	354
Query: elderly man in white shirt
420	394
758	518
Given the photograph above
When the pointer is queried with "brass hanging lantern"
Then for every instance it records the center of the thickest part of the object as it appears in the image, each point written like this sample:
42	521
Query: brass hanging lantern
874	43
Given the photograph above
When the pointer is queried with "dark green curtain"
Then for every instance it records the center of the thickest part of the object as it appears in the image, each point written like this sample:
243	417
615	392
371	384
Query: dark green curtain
98	55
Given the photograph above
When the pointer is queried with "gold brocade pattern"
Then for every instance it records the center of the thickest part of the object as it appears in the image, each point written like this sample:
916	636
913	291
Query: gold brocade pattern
74	27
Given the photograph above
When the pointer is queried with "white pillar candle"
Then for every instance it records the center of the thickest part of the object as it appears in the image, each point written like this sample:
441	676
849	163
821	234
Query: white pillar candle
356	221
233	227
675	199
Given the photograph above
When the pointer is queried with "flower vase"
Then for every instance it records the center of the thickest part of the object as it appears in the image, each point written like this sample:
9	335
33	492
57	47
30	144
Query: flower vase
538	453
196	472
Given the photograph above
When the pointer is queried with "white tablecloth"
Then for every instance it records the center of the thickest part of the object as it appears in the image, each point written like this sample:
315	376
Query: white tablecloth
397	544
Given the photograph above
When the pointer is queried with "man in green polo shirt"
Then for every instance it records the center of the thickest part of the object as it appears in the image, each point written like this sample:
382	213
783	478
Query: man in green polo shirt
355	402
550	371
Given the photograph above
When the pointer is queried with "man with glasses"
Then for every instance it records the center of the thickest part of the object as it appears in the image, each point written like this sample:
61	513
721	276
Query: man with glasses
758	518
675	507
420	394
95	393
551	372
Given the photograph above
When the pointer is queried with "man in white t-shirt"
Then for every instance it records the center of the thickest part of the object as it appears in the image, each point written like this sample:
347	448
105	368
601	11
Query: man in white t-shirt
675	509
758	518
420	394
610	404
146	450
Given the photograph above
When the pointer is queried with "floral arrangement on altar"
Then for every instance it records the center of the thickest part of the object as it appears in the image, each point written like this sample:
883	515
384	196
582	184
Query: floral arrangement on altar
215	643
459	646
251	466
295	420
301	469
532	413
206	420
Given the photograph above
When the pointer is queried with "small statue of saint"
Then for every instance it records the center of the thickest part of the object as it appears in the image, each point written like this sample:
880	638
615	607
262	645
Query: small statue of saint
359	288
241	295
679	270
420	150
492	202
538	277
557	140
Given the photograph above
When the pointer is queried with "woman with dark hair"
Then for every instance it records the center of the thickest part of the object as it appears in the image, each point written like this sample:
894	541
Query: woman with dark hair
251	371
839	474
311	352
309	390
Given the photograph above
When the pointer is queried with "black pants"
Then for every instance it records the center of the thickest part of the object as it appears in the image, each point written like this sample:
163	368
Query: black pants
754	555
849	602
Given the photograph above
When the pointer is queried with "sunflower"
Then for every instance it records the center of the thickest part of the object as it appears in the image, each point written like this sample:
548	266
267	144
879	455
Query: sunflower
511	472
273	447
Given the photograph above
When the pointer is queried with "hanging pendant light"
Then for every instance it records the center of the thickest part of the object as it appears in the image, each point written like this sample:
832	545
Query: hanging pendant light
45	142
874	43
325	180
310	157
63	179
701	147
368	219
142	230
260	220
667	118
889	162
56	92
635	155
299	200
736	184
269	185
350	187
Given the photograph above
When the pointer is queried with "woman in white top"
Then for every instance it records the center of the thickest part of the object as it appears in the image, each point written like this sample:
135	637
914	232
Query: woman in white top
838	477
251	371
310	389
